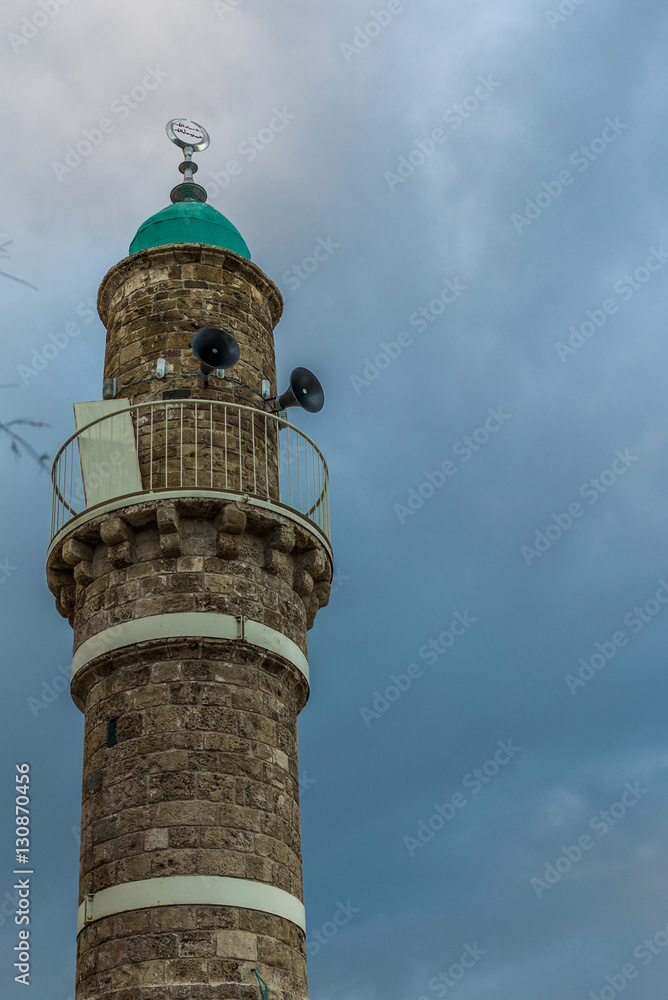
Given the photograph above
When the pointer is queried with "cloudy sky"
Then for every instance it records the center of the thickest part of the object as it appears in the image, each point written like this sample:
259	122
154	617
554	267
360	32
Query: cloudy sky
484	752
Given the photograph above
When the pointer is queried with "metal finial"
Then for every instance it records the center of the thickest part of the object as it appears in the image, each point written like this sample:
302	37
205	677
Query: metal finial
191	138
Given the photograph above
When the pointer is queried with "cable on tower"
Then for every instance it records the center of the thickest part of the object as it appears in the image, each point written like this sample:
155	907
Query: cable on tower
264	993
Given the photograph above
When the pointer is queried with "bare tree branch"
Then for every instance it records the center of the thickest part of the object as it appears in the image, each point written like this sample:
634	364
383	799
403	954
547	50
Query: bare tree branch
20	280
18	442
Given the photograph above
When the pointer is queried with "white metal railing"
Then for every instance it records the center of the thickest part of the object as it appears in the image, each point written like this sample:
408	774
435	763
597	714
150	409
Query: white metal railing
188	444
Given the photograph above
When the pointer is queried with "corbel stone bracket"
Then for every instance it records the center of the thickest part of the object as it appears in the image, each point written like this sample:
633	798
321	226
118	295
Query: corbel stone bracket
118	537
231	525
290	550
168	526
280	542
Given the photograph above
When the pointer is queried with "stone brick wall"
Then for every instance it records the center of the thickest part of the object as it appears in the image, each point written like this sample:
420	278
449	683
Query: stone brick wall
154	301
187	555
202	778
205	765
191	953
194	444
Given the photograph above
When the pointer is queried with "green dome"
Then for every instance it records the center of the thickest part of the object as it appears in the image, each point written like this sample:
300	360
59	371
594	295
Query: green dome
189	222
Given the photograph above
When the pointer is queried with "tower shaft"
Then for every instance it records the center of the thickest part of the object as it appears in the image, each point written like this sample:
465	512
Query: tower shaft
190	579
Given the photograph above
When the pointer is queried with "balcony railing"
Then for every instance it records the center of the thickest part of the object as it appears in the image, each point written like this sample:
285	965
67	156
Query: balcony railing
131	453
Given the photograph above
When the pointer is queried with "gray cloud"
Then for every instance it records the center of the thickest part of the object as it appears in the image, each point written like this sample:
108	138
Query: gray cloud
324	177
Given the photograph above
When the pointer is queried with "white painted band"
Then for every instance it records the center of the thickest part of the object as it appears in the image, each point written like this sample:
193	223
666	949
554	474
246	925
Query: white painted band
179	625
201	890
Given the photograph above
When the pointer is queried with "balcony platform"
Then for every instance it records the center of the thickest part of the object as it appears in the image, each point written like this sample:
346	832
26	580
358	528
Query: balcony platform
125	455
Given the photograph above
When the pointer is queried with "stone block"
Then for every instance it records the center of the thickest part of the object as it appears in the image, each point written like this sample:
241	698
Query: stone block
162	672
190	564
274	953
150	947
196	944
186	814
228	546
232	520
282	538
302	582
227	839
133	869
323	591
226	971
67	599
75	551
121	554
187	836
239	818
219	862
315	562
214	787
216	917
156	839
170	544
236	944
83	573
139	818
186	970
173	862
172	785
258	869
172	918
115	531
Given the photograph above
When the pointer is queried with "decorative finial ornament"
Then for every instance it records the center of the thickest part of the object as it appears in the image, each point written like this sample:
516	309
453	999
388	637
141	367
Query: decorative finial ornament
191	138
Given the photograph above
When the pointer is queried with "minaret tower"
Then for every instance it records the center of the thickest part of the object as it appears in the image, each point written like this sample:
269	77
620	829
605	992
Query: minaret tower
190	553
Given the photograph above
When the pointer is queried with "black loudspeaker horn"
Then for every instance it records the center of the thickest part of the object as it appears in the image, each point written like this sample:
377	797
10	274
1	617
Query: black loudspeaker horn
214	349
304	391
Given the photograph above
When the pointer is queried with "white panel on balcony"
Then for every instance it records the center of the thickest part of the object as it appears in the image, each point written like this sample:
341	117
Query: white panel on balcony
107	450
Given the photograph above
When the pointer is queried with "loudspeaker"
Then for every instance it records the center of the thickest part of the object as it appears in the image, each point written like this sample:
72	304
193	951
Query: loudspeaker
304	391
215	349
